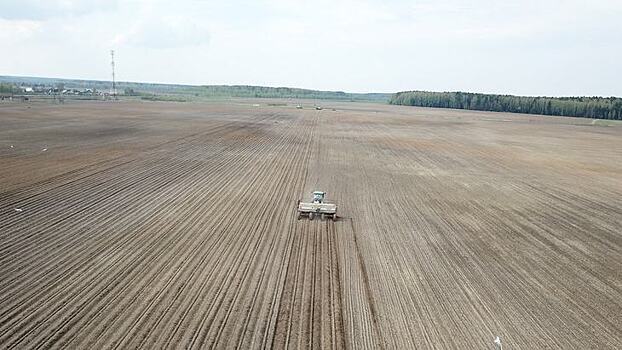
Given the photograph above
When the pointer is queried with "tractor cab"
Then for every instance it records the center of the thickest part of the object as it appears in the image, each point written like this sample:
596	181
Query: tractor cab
318	196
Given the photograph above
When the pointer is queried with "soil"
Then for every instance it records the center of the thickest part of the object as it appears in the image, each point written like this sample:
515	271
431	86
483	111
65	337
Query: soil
173	225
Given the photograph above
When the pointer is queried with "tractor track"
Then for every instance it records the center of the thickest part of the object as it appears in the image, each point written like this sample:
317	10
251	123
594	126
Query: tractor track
368	291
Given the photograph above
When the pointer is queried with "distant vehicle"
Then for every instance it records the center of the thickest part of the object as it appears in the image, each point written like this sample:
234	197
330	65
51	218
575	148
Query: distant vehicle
298	107
318	108
317	207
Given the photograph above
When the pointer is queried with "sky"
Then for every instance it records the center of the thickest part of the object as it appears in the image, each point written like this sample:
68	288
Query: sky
523	47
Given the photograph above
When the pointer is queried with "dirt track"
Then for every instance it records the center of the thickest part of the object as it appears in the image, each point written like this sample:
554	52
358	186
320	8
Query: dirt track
173	225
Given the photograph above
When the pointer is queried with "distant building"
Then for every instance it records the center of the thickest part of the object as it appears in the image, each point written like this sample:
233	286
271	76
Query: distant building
39	88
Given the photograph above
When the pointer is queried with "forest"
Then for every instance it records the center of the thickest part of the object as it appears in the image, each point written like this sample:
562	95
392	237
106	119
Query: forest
8	89
585	107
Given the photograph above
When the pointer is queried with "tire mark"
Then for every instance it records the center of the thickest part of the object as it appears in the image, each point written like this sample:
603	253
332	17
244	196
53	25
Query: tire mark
368	291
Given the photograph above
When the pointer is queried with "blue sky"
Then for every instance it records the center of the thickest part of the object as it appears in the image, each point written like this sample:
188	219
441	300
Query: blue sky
527	47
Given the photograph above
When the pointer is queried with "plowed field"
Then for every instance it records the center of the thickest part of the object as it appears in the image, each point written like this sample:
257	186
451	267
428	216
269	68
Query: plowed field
173	225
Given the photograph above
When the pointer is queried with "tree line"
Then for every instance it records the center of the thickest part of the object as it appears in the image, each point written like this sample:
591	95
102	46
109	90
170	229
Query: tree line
8	89
197	91
586	107
287	92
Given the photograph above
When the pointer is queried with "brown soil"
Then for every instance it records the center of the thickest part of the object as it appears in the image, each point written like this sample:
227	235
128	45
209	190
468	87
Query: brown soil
149	225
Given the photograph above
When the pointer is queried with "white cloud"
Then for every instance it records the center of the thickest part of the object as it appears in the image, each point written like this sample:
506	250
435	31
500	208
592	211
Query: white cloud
527	47
45	9
13	31
163	32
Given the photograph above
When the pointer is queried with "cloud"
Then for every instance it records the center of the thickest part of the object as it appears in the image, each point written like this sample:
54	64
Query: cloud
514	46
162	32
46	9
18	30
